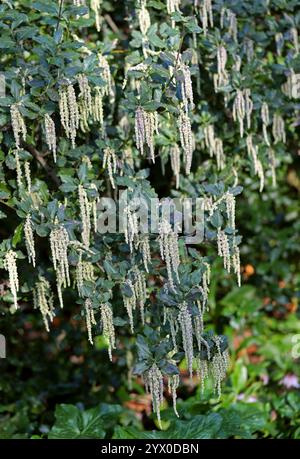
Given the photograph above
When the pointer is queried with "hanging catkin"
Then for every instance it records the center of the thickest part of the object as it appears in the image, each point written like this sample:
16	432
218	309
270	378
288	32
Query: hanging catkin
59	241
84	273
43	300
143	244
94	206
144	18
29	240
146	125
85	105
108	327
186	139
154	384
85	92
252	151
237	64
50	135
84	123
175	162
173	383
140	291
221	78
173	6
232	30
218	366
27	175
168	243
266	121
249	49
85	215
292	86
110	161
248	106
221	59
230	209
106	75
209	138
202	372
11	266
238	111
278	128
19	171
205	282
96	8
219	153
130	304
272	161
97	106
224	249
295	39
18	125
261	175
131	229
186	325
229	17
89	318
206	14
236	262
279	40
69	111
186	86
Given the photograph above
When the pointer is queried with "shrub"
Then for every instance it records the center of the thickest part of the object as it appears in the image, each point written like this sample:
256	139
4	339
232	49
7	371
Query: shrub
148	98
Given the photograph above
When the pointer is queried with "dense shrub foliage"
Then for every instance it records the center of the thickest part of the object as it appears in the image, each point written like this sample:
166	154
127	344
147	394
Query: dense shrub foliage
175	99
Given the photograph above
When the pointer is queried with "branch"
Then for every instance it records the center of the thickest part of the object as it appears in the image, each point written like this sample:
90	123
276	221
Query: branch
5	127
114	26
37	155
176	64
59	13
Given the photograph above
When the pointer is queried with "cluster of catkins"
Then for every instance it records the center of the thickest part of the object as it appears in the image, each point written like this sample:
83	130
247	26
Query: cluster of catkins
43	300
139	295
147	123
242	105
168	245
190	327
80	104
59	243
227	245
20	132
214	145
18	124
76	111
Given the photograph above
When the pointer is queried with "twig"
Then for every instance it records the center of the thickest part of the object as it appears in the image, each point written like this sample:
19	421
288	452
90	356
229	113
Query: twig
175	67
37	155
113	26
59	13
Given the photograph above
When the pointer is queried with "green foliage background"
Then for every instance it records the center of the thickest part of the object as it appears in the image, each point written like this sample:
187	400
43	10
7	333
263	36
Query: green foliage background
57	385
